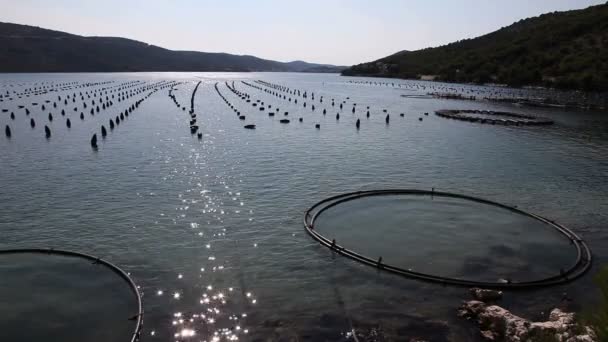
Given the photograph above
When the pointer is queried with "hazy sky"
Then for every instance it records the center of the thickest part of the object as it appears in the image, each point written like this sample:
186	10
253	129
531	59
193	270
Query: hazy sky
325	31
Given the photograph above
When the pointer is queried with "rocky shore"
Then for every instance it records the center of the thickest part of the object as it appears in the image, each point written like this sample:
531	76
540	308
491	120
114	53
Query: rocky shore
499	324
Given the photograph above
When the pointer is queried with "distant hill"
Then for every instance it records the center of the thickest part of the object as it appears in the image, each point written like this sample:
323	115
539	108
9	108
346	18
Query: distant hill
32	49
560	49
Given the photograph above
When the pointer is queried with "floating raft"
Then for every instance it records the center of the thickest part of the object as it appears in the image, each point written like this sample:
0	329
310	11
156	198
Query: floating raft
485	117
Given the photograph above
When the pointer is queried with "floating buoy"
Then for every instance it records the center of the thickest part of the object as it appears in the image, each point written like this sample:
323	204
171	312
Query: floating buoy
47	131
94	141
103	131
7	131
68	123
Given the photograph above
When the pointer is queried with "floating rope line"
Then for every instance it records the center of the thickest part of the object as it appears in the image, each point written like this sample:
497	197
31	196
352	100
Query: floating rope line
138	317
192	98
577	269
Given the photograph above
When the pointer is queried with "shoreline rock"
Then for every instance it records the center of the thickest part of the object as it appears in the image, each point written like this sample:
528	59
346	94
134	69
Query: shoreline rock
499	324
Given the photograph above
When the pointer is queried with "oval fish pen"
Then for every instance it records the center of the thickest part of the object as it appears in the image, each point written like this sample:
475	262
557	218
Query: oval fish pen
493	117
574	261
49	283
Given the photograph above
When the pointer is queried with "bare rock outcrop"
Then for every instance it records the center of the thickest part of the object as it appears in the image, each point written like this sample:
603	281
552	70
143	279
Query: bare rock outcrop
499	324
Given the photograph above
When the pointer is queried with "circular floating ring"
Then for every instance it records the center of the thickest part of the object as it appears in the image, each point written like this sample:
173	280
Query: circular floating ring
138	317
489	117
577	269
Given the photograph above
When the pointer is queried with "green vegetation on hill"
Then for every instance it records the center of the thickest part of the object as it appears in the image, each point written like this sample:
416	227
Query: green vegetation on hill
561	49
32	49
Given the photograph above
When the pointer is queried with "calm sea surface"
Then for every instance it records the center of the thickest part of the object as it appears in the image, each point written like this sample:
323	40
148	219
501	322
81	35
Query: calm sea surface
211	228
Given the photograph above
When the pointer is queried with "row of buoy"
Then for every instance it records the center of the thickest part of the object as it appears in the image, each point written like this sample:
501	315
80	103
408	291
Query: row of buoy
122	116
304	92
121	89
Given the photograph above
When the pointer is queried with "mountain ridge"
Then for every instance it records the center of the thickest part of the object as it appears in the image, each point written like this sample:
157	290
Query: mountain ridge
25	48
566	49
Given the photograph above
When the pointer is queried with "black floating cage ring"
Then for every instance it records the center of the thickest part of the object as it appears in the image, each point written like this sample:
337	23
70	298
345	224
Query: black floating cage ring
577	269
138	317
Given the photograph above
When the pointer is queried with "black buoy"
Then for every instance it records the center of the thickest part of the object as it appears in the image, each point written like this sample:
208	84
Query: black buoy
387	118
68	123
94	141
32	123
103	131
358	123
47	131
7	131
